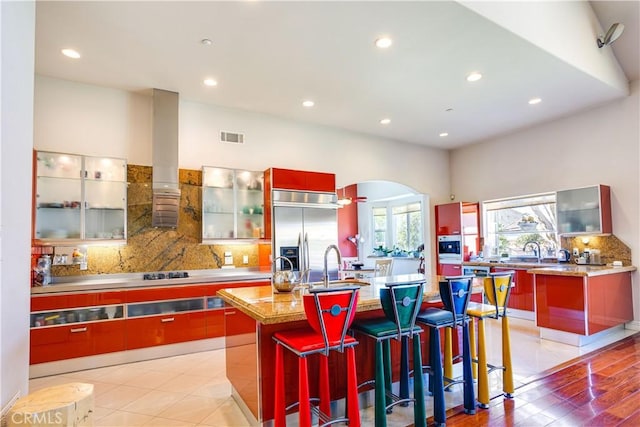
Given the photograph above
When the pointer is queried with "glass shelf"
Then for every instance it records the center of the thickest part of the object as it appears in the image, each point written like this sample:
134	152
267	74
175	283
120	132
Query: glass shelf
214	303
76	315
164	307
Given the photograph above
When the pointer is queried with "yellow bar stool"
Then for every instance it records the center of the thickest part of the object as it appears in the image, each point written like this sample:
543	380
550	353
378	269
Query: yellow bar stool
497	288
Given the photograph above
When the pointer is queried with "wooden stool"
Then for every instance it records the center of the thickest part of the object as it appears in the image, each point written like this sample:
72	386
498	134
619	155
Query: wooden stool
66	405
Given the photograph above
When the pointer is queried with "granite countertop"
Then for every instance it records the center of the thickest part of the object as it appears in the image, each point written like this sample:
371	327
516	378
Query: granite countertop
135	280
267	307
581	270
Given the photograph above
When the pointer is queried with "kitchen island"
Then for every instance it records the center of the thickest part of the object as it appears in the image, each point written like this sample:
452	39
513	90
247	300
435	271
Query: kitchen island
578	304
261	313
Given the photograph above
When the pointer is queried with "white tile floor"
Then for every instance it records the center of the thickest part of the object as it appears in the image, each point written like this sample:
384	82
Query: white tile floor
192	390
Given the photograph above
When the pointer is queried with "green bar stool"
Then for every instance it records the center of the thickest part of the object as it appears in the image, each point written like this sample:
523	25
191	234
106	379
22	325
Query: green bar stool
400	304
497	288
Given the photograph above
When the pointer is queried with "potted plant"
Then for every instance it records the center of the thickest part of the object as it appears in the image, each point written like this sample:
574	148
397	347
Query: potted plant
381	251
528	223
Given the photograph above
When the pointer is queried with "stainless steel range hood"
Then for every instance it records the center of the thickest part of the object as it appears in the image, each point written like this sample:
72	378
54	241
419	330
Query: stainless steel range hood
166	190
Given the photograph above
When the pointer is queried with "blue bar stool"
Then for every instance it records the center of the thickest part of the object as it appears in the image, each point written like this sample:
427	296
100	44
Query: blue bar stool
329	312
497	288
455	293
400	303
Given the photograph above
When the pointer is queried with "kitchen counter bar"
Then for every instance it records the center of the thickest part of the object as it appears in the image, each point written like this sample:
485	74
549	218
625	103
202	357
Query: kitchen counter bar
135	280
267	307
260	313
581	270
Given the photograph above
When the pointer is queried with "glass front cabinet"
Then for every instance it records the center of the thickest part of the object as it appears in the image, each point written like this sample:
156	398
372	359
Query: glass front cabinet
80	198
584	210
232	204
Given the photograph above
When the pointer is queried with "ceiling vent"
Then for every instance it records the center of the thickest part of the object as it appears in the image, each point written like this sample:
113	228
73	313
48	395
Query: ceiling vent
164	147
232	137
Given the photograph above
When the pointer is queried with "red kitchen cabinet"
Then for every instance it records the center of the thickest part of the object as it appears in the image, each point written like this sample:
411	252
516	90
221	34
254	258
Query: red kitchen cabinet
288	179
521	296
81	339
449	219
168	328
450	269
86	299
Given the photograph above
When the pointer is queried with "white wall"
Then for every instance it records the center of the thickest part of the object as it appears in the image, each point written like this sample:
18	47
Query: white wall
598	146
16	141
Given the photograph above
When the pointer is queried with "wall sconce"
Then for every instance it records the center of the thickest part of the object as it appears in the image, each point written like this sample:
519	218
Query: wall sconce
585	240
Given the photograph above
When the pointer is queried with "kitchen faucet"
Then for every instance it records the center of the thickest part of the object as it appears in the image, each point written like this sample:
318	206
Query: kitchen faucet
326	269
535	251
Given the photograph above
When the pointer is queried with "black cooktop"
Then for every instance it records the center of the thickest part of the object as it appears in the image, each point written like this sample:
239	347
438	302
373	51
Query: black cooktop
170	275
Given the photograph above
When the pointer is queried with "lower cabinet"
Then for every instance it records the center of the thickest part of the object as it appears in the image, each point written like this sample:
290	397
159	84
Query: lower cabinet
450	269
521	296
77	340
64	326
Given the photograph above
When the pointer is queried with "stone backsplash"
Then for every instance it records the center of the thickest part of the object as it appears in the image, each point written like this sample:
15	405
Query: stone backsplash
611	248
151	249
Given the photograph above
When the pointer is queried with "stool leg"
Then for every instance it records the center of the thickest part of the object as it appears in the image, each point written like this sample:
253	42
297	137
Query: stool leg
483	374
325	398
386	345
279	419
419	411
448	353
304	407
507	379
404	369
380	394
472	344
439	414
469	395
353	409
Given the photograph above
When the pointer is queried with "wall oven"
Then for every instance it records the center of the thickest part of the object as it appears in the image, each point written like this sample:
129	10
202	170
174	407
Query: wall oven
450	249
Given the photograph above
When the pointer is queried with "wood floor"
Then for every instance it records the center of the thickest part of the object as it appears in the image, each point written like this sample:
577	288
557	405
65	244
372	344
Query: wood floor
601	388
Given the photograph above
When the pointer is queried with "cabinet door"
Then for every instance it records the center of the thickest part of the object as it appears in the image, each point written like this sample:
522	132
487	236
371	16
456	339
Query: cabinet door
240	329
584	210
105	198
450	269
58	196
521	296
250	204
449	219
289	179
165	329
69	341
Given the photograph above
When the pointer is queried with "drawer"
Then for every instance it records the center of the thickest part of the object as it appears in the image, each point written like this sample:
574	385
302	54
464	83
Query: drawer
54	302
165	329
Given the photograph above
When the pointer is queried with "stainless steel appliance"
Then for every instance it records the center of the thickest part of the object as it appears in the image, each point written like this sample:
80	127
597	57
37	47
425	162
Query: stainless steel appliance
307	221
475	270
450	249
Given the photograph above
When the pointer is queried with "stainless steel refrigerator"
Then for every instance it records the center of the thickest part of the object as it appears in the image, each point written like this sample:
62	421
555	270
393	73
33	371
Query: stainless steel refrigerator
304	225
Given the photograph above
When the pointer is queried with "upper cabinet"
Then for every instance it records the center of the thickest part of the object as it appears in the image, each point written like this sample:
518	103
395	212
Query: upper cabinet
584	210
232	204
79	198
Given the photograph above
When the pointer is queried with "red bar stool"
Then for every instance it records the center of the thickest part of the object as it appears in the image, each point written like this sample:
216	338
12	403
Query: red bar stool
497	288
329	312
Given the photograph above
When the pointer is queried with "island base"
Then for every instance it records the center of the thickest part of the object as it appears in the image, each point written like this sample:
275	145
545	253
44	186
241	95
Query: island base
577	339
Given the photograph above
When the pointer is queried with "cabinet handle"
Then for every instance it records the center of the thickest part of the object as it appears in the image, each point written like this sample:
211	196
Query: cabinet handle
76	330
168	319
229	313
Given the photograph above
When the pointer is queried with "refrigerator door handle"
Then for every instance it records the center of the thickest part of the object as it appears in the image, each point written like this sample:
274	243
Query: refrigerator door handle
306	251
301	260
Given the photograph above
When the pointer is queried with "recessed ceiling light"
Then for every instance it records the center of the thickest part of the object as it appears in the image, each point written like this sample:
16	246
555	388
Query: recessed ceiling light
443	134
308	104
210	82
534	101
206	42
71	53
448	110
474	77
383	42
385	121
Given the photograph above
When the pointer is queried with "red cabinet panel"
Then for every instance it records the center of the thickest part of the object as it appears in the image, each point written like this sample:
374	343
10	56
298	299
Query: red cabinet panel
77	340
521	296
560	303
165	293
215	323
240	329
165	329
450	269
449	219
289	179
87	299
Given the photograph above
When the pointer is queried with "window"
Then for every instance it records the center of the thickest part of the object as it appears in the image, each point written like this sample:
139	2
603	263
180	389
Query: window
511	223
398	226
407	226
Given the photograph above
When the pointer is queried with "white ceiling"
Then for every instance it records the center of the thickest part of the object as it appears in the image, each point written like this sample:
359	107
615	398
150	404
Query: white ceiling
270	56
